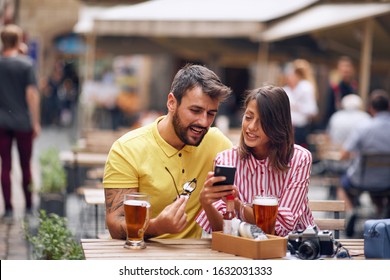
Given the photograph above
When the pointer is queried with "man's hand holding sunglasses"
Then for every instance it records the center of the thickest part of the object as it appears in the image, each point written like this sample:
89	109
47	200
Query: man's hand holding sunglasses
173	219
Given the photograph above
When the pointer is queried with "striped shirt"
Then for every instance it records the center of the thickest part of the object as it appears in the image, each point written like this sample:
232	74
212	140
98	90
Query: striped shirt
255	177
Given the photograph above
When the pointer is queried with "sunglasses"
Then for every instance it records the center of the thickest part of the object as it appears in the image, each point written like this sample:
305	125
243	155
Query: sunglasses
188	187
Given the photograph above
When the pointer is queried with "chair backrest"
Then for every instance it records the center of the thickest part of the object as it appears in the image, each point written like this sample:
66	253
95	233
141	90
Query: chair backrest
336	207
100	140
375	172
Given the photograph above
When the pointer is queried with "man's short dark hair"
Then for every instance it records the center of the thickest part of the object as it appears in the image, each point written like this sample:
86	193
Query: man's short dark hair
11	35
379	100
191	76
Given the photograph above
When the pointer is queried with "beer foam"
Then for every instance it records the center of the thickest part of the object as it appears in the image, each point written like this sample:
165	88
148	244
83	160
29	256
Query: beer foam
268	201
142	203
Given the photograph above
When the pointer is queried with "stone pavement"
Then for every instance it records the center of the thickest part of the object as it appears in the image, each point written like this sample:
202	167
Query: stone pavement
13	246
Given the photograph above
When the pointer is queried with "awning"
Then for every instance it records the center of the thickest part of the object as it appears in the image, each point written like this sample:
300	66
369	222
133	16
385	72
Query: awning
322	17
205	10
256	20
86	16
188	18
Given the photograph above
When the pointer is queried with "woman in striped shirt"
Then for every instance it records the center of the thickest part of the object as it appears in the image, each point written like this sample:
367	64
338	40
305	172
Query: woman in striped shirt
268	163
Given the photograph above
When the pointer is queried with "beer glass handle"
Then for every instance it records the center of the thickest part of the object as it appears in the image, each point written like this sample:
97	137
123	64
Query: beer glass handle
242	210
147	219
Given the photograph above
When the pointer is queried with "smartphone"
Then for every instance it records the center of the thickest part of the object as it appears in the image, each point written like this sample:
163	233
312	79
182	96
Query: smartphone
228	171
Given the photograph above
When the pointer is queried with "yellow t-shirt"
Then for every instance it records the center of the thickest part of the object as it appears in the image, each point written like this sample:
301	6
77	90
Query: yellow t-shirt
139	160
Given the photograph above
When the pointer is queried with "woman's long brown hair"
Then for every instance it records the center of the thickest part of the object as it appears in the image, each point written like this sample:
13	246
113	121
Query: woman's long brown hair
274	110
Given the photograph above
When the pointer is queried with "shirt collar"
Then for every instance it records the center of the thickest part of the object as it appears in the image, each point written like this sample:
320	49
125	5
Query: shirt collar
382	114
165	147
253	163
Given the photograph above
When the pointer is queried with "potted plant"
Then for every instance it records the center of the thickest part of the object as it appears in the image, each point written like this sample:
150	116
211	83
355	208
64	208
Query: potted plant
52	192
53	240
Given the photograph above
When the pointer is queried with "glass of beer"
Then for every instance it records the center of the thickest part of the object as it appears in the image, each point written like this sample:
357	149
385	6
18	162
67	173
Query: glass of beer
265	210
137	207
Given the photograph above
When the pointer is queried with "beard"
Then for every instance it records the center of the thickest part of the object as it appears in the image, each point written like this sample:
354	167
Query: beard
182	131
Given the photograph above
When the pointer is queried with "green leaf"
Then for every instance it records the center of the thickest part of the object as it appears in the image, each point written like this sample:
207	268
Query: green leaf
53	240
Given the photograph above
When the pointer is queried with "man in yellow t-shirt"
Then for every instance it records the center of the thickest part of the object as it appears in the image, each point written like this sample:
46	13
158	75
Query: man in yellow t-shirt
160	158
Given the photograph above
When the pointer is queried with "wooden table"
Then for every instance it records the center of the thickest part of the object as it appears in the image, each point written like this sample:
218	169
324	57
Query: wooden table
173	249
83	159
94	196
354	246
76	160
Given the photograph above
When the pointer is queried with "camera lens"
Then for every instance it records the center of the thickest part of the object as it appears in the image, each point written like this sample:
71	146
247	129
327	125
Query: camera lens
308	250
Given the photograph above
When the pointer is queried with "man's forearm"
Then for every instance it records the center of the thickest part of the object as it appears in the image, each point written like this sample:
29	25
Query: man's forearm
115	214
33	101
117	229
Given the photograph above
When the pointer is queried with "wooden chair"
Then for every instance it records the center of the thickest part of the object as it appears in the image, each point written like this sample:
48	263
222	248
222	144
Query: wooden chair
375	180
337	207
92	195
379	166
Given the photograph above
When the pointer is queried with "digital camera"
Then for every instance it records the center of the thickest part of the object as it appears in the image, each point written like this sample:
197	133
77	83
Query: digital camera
310	244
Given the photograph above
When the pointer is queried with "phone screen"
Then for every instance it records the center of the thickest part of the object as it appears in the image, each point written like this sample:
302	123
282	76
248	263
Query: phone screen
228	171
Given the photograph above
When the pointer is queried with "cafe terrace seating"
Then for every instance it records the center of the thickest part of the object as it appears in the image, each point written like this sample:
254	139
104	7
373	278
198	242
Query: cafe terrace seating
88	154
375	165
336	221
327	166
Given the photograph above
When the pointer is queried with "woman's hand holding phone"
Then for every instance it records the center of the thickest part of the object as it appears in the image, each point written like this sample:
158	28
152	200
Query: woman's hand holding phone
227	171
218	185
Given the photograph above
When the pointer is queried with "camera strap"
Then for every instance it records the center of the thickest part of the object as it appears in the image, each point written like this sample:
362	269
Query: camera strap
341	251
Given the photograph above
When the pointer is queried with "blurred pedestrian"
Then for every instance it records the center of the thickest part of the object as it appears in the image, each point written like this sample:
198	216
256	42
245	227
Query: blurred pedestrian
345	85
372	137
50	102
344	121
67	94
19	113
301	89
341	125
